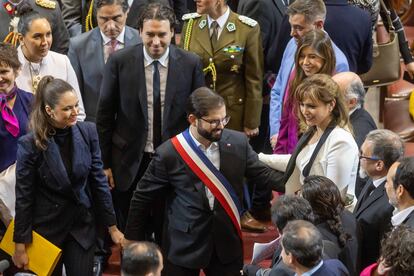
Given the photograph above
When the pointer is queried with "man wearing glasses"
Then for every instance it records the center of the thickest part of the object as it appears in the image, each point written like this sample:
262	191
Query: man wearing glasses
201	173
379	151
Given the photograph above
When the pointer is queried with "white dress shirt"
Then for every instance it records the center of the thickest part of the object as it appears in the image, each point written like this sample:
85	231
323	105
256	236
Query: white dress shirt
54	64
221	21
213	154
149	71
107	43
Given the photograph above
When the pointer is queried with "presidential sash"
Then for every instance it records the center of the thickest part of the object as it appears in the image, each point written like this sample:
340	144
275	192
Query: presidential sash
215	181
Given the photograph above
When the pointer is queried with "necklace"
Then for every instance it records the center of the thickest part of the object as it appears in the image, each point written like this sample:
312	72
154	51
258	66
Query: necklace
35	76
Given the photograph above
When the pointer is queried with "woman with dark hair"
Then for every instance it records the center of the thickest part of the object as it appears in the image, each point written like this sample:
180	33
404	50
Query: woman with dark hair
314	55
35	36
327	147
15	105
335	223
397	251
60	183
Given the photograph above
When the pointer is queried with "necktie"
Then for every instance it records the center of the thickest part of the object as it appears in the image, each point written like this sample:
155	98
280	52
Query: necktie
113	44
214	34
110	48
10	120
370	188
156	91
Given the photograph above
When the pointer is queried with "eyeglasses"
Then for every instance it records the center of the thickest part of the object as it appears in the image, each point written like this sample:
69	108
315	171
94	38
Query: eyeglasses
216	123
369	158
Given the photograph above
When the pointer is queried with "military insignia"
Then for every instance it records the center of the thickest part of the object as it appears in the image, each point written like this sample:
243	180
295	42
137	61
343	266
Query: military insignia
235	68
202	24
233	49
247	20
231	27
48	4
188	16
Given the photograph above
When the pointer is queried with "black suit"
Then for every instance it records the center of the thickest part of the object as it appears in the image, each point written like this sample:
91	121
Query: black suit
195	232
362	123
122	117
59	207
409	220
374	217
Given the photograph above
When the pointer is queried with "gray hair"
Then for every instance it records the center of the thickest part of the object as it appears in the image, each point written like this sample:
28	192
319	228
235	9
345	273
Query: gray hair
355	90
386	145
311	9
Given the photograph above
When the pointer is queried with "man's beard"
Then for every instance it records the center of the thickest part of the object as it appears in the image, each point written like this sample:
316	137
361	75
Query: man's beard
212	136
362	173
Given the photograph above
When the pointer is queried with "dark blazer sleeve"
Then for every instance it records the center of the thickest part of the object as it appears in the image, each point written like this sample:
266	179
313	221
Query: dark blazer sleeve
98	181
153	184
26	178
60	34
198	75
74	60
107	109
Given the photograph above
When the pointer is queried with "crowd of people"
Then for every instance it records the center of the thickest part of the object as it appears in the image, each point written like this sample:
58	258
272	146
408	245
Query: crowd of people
134	123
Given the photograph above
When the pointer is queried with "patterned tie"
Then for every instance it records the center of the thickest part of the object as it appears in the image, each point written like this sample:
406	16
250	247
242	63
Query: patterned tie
110	48
214	34
10	120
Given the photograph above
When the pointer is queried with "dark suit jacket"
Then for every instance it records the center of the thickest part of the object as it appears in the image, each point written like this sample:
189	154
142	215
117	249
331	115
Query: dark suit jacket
122	117
194	230
331	268
269	14
374	217
409	221
51	203
86	54
362	123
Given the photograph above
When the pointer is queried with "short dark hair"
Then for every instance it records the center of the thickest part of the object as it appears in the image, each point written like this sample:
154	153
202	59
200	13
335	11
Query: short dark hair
202	101
304	241
26	16
290	207
157	11
405	175
312	10
123	3
8	56
140	258
386	146
397	250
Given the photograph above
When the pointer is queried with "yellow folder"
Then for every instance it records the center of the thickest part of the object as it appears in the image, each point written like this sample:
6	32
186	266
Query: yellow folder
43	255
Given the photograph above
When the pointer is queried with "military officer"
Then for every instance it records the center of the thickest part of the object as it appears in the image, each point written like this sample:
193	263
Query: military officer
9	20
231	49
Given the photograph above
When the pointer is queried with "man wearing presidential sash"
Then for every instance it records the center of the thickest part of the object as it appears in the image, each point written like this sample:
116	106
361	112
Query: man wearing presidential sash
201	173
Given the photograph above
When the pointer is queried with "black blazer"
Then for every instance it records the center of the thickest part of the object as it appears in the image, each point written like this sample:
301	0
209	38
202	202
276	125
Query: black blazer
269	14
193	230
362	123
374	217
122	116
409	221
86	54
53	205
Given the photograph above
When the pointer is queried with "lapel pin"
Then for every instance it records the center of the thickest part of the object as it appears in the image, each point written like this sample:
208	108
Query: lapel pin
229	145
231	27
202	24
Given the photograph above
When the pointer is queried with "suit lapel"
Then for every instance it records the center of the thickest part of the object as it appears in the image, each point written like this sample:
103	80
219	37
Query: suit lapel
55	164
80	154
203	36
226	37
292	161
140	84
363	192
376	194
280	6
97	49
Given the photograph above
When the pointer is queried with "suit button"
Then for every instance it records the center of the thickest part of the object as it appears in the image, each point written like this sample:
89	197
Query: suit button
240	100
210	59
211	86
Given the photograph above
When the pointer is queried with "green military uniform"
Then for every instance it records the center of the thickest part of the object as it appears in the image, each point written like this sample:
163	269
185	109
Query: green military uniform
235	68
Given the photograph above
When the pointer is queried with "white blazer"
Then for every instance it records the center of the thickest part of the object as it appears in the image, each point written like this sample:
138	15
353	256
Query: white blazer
337	159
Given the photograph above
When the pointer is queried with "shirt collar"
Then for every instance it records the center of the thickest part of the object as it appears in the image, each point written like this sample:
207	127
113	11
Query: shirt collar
221	20
212	146
119	38
400	216
25	61
313	270
378	181
163	60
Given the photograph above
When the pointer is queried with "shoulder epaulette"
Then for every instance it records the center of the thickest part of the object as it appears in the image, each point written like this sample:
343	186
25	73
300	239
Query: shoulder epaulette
193	15
247	20
48	4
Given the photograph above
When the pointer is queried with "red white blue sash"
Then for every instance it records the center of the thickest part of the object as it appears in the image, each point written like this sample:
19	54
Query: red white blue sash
215	181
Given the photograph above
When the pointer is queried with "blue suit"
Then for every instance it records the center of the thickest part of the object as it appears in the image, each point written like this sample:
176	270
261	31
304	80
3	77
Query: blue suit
52	203
279	88
331	268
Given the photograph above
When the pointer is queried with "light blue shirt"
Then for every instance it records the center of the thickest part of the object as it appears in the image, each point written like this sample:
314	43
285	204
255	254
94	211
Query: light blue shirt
279	88
313	270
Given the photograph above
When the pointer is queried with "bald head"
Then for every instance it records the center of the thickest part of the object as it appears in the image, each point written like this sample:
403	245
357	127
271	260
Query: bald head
352	87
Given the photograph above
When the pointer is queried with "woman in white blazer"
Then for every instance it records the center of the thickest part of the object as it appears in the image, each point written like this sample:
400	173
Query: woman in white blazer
327	147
